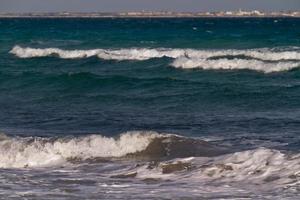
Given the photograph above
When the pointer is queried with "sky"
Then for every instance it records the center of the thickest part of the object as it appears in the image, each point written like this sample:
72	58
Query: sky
148	5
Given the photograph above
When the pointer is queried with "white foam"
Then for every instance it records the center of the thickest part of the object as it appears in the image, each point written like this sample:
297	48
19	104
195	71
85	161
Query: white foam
139	54
256	166
267	168
40	152
121	54
265	59
230	64
146	53
37	52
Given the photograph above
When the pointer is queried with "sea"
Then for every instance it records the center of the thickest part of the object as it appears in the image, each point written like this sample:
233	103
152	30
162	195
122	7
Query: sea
149	108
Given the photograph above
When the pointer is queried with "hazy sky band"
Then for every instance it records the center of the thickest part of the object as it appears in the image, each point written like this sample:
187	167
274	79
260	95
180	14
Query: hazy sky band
148	5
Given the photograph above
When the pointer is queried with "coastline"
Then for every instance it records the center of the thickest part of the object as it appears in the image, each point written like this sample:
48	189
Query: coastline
144	17
239	14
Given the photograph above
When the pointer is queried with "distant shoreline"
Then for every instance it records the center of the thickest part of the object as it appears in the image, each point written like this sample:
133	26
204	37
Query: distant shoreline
138	17
162	14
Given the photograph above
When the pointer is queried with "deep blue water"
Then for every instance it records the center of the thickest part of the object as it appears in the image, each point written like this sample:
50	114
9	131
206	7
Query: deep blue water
242	109
49	95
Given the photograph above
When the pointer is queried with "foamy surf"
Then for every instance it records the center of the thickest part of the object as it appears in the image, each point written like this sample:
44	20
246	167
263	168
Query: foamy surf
107	54
233	64
261	168
169	158
265	59
17	152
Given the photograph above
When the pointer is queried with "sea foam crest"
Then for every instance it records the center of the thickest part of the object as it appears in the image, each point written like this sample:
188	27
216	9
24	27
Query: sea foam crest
264	59
16	152
107	54
146	53
259	166
230	64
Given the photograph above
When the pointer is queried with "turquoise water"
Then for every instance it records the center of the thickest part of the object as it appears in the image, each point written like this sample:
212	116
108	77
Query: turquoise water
67	83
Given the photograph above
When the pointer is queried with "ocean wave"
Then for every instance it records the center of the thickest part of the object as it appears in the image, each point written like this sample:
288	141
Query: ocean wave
106	54
231	64
17	152
266	54
259	167
265	59
172	157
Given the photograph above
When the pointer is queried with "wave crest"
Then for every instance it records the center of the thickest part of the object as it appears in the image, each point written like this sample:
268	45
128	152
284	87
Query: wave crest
19	152
260	166
266	54
231	64
265	59
38	152
106	54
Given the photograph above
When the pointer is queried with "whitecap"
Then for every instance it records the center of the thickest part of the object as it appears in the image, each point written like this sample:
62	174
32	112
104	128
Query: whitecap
265	59
17	152
233	64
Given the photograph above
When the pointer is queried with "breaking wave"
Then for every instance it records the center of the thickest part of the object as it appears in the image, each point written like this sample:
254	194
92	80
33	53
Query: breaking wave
167	157
231	64
144	53
107	54
265	59
17	152
260	166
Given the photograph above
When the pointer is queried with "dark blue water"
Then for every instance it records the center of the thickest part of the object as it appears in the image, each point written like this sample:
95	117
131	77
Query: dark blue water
43	93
